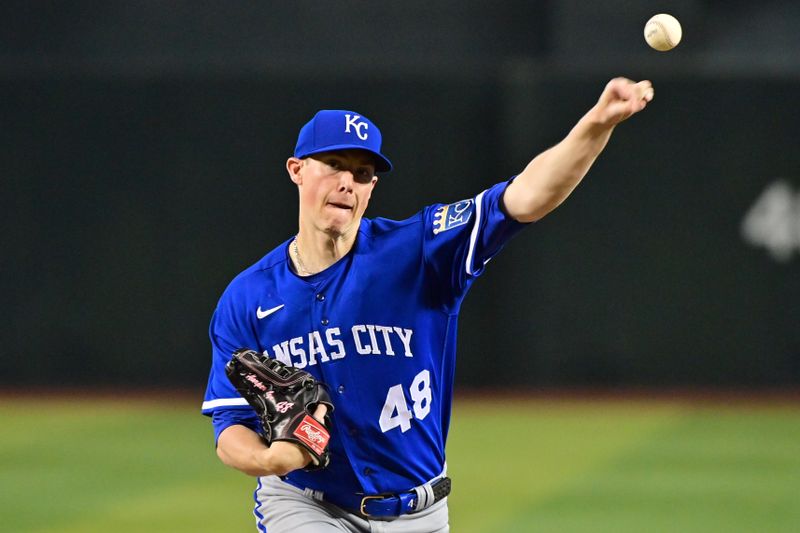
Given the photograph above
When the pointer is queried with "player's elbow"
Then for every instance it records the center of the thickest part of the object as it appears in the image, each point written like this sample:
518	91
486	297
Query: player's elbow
231	455
530	202
531	210
221	455
225	457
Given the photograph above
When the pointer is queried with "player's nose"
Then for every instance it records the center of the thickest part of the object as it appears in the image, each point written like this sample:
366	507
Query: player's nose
346	180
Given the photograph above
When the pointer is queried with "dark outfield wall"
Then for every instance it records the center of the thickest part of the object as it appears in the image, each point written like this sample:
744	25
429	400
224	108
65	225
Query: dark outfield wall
127	206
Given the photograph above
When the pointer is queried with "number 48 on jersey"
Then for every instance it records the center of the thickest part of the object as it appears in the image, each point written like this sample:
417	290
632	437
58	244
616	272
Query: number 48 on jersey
396	411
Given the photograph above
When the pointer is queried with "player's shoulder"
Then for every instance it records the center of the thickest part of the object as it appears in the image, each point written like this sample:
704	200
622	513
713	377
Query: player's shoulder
254	275
385	234
379	226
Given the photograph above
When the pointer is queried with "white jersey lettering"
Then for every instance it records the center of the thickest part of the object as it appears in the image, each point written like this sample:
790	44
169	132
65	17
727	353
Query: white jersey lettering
386	330
373	340
335	343
369	339
315	347
298	352
282	353
405	336
360	348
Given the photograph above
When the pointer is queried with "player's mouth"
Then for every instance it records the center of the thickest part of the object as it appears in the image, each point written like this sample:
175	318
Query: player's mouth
338	205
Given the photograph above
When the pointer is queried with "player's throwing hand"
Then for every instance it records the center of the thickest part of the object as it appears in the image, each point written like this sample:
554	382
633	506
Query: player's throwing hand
621	99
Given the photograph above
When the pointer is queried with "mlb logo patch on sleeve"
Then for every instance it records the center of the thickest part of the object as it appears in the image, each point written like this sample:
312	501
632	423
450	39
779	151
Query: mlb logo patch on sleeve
453	215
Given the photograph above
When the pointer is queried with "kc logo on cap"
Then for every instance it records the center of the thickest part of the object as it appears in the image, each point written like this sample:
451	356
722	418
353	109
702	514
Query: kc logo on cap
335	129
357	125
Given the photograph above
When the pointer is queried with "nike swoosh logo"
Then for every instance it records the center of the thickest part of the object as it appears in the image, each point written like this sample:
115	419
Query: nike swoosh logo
264	314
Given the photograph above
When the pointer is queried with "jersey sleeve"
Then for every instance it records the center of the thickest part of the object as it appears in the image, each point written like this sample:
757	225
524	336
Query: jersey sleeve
224	418
461	238
229	331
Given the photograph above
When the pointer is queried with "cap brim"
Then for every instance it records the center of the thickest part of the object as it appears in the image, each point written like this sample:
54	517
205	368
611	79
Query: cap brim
381	163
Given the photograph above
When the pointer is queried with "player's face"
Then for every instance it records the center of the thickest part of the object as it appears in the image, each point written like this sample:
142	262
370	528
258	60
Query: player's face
335	188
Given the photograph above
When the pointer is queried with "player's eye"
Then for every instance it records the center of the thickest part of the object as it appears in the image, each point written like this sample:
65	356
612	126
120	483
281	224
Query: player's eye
334	163
363	174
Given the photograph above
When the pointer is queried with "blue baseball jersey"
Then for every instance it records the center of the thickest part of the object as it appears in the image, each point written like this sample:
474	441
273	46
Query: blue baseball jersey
378	327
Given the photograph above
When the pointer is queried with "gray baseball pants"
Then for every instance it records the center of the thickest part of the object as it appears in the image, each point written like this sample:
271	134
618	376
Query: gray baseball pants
283	508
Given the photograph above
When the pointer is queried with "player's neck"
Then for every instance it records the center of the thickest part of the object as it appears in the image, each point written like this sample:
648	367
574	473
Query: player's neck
313	252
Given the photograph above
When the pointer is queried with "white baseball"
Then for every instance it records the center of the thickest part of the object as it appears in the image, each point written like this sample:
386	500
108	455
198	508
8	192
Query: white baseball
663	32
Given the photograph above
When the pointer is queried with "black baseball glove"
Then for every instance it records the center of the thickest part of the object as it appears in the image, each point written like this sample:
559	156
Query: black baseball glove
284	399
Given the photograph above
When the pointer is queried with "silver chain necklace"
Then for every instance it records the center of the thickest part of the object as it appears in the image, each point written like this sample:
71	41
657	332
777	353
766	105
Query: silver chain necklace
303	270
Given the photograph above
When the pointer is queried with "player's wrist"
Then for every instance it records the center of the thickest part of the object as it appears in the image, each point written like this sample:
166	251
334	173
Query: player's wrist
271	464
263	459
282	458
597	122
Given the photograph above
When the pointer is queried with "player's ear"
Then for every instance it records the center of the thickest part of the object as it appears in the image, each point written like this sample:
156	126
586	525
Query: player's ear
293	166
374	183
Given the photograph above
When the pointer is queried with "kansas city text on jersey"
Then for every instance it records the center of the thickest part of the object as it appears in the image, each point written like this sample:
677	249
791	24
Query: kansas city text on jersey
322	347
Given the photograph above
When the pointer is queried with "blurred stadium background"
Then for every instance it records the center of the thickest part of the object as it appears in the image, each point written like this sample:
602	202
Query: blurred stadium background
142	147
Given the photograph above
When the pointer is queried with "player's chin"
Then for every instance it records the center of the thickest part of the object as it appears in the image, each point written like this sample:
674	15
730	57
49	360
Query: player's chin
342	225
339	217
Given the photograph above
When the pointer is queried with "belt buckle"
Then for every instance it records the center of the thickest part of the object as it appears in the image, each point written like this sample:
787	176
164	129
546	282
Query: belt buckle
365	499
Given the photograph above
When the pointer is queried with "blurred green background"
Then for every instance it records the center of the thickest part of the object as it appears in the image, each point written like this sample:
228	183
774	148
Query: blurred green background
518	465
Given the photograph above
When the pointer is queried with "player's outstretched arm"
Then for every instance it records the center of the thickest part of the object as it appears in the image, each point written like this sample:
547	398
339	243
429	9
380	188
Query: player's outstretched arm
554	174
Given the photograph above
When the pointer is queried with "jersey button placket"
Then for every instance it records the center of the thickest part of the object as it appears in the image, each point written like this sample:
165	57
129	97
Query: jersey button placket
320	297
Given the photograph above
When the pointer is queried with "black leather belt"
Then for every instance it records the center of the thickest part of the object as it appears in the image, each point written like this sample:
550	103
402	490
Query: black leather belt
385	505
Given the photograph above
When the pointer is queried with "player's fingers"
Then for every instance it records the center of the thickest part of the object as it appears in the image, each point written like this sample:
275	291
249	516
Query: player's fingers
618	82
626	89
624	97
320	411
644	90
616	89
622	109
637	104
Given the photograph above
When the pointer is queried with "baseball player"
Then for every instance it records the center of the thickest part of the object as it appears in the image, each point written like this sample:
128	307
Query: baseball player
370	308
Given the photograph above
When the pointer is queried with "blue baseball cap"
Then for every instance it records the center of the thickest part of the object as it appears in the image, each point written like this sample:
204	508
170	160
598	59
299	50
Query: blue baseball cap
337	129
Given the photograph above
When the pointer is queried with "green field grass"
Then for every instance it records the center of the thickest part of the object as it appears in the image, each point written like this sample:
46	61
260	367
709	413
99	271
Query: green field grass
86	465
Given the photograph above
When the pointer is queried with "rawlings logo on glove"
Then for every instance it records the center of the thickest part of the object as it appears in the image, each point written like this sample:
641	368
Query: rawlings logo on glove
284	399
313	434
